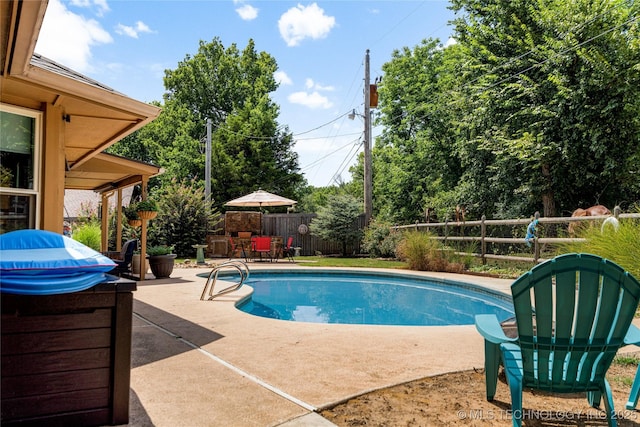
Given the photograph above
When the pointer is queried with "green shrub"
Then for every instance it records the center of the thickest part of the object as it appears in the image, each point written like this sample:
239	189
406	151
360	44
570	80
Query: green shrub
89	234
337	221
380	240
621	246
148	205
159	250
467	258
184	217
422	252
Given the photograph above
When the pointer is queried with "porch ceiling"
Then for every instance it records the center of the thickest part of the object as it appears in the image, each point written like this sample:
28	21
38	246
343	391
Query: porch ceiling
106	172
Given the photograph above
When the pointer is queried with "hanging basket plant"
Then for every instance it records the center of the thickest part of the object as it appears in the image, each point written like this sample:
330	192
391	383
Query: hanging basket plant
147	209
130	212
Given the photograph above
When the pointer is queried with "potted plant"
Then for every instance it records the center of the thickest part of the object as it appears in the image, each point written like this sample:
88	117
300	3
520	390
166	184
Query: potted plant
147	209
161	260
135	263
131	214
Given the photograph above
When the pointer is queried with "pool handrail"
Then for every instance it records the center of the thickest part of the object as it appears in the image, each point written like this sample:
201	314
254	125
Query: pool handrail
240	266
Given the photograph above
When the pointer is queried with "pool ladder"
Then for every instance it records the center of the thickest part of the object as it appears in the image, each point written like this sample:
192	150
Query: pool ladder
240	266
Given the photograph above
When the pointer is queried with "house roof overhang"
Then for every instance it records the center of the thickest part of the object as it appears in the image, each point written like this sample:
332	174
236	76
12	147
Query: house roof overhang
106	172
95	115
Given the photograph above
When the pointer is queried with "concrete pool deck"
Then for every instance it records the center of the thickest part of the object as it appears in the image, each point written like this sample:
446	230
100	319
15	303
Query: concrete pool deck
205	363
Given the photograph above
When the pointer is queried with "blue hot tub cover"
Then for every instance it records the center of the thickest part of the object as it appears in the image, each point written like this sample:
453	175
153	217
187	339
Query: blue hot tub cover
39	262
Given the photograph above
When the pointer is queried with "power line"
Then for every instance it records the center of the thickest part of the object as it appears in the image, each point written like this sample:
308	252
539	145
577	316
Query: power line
315	162
347	160
323	125
334	136
226	129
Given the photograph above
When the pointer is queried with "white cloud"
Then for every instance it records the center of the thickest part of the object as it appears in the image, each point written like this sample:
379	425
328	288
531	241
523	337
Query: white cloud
450	42
299	23
247	12
67	38
282	78
310	84
101	5
133	32
312	100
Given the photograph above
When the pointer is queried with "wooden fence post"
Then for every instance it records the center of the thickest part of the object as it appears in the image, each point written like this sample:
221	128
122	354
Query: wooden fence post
446	230
483	243
536	245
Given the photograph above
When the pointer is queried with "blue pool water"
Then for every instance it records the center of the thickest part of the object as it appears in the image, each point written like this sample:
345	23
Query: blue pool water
371	299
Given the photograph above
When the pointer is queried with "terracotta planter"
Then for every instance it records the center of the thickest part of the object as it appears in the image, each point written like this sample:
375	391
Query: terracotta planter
135	222
147	214
244	234
162	265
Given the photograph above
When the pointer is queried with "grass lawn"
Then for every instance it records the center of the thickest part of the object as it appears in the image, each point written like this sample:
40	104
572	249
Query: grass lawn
499	269
317	261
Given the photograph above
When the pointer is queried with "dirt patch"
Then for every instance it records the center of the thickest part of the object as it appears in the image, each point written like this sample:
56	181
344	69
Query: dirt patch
459	399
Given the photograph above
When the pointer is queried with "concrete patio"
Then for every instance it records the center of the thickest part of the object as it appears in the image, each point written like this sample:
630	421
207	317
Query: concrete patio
205	363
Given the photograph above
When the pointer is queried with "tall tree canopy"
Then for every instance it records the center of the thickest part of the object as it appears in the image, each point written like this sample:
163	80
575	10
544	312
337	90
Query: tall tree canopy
415	162
558	85
249	149
537	107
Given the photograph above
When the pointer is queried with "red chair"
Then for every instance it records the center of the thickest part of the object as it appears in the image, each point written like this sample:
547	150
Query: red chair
261	245
234	248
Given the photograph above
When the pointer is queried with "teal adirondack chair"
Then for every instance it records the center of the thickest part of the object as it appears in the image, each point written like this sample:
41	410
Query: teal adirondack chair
635	390
573	313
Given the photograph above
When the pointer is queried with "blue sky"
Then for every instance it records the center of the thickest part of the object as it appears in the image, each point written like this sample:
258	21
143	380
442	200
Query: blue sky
319	47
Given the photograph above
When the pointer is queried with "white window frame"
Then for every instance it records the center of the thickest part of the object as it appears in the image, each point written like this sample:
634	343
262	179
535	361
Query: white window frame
37	163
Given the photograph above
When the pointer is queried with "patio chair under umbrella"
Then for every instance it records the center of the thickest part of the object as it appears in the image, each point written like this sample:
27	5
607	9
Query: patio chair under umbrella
259	199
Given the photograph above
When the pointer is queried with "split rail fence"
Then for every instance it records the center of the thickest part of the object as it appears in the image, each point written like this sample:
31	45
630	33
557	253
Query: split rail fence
500	239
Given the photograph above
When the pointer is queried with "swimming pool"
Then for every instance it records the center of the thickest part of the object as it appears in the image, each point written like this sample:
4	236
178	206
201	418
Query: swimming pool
369	298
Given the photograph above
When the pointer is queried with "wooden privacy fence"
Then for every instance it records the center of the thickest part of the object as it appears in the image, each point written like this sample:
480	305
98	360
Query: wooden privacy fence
498	239
295	225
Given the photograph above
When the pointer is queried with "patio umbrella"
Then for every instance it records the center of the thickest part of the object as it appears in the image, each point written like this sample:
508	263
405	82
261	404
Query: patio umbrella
259	199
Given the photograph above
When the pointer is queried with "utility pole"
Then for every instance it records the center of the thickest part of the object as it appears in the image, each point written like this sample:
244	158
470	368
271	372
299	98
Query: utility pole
368	175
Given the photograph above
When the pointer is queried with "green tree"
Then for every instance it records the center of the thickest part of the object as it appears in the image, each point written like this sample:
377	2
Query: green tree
554	89
415	157
249	148
231	88
534	108
337	221
313	198
184	216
